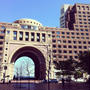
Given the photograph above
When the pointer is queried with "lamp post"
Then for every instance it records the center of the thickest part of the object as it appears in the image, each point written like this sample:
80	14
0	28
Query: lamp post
49	62
4	74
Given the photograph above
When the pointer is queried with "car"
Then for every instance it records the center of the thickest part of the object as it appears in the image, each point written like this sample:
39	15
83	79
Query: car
50	81
53	81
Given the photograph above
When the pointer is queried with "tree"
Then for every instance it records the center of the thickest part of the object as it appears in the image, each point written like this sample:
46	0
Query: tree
84	63
65	67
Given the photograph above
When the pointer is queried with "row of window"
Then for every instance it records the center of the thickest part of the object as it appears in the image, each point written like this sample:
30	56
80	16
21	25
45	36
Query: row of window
70	46
83	12
83	7
28	22
72	37
69	41
72	33
65	51
84	23
84	19
82	26
65	56
31	35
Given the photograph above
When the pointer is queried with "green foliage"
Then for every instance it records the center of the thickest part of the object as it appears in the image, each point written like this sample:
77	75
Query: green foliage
65	67
84	63
78	74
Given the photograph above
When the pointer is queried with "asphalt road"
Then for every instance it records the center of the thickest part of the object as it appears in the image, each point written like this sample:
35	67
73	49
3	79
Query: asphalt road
44	86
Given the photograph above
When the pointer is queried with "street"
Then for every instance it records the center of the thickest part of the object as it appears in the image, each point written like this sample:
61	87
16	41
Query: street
44	86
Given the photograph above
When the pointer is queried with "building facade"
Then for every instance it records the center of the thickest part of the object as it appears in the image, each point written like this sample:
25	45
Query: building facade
62	15
46	43
23	38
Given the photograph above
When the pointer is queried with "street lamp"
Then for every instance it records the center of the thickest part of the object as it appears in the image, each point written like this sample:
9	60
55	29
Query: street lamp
4	74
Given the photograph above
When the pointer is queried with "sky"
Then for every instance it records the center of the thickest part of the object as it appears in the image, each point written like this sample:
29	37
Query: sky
22	64
45	11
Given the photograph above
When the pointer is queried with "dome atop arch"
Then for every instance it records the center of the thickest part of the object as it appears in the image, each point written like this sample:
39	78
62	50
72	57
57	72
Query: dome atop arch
25	21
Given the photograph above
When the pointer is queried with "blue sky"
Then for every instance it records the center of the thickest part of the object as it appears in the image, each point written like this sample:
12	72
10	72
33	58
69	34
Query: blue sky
45	11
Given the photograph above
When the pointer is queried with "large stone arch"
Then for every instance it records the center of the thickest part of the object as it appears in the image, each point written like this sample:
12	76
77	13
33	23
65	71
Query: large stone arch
37	57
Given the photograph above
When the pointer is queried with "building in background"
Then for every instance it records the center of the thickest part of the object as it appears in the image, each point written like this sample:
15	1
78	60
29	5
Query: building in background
75	38
62	15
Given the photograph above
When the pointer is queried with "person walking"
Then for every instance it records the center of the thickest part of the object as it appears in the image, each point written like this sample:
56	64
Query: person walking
63	82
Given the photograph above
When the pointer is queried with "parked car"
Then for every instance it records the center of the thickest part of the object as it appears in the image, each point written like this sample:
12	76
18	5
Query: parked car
50	81
53	81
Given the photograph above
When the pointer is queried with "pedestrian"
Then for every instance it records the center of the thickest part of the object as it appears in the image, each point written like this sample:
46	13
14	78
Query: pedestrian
63	82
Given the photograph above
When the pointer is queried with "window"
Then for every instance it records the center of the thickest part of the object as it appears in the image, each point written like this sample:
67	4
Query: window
59	51
78	7
68	33
59	56
65	51
8	32
78	37
76	57
1	48
43	37
84	42
87	34
86	30
59	46
54	46
63	36
87	37
32	36
75	46
63	32
59	41
2	32
82	33
69	41
68	37
81	29
53	41
77	33
26	36
75	51
65	46
58	32
1	37
88	42
74	42
54	51
20	35
70	51
54	56
1	43
82	37
83	12
70	46
14	35
64	41
72	33
3	27
80	47
85	47
65	56
38	37
53	32
79	42
57	36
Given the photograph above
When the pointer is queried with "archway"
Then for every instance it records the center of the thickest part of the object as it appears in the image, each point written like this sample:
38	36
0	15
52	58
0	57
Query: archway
24	68
36	56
